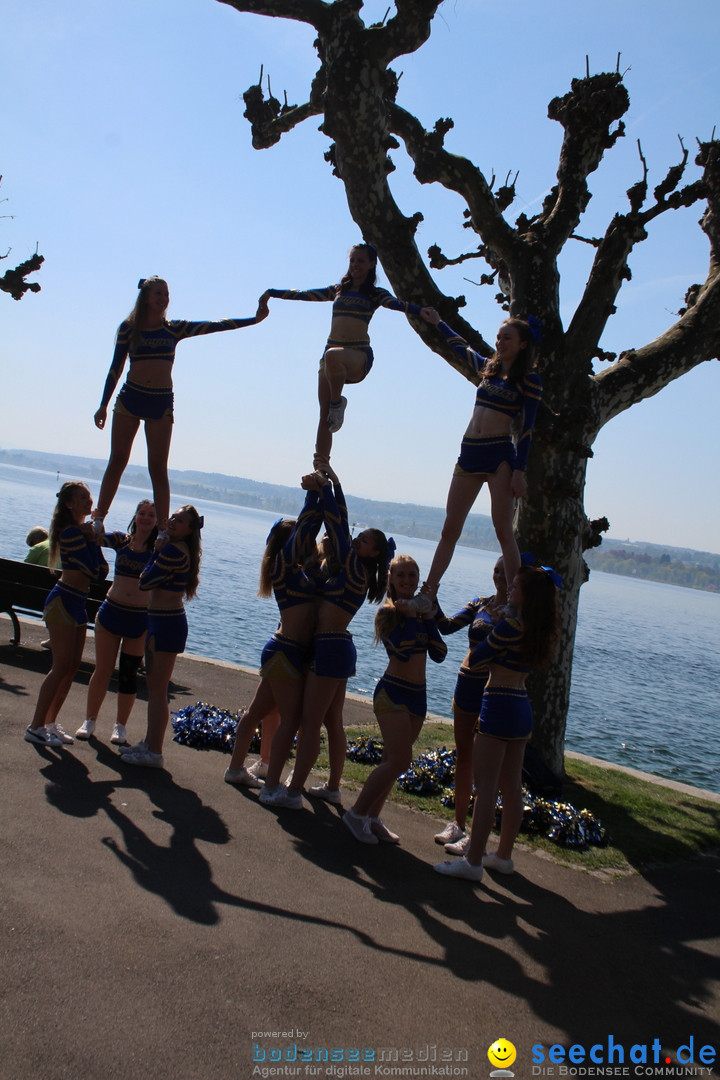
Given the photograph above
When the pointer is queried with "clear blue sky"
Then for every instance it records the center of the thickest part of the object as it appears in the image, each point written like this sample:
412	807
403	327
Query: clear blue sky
125	153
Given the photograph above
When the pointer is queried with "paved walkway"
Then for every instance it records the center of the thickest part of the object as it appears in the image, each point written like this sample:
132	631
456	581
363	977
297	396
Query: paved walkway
157	925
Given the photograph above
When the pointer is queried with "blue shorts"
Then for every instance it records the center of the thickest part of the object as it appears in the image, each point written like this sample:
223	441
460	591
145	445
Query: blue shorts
334	655
167	629
483	456
283	659
145	402
469	688
65	606
122	620
505	714
398	695
358	346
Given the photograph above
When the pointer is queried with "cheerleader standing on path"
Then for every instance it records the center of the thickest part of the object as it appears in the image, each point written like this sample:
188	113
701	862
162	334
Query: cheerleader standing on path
508	653
347	357
480	616
65	611
509	390
121	622
149	339
362	572
400	699
284	658
171	574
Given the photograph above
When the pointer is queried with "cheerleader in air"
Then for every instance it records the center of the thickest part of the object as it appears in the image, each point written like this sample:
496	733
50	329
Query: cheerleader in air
347	357
149	340
509	391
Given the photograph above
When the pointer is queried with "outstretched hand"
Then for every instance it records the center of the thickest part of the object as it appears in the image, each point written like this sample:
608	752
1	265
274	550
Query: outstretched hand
325	470
262	309
429	314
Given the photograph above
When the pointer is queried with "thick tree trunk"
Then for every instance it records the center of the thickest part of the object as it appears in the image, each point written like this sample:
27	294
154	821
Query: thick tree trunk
355	91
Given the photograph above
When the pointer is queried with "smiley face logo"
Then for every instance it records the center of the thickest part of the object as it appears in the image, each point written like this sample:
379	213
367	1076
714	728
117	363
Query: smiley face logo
502	1054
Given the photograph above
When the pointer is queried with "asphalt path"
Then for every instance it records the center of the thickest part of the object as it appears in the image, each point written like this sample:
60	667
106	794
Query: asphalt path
163	924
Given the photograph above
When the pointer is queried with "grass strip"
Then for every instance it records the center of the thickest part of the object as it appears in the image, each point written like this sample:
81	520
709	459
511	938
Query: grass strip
648	824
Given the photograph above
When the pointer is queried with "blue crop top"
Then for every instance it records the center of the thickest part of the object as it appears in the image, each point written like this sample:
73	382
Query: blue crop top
168	568
475	615
502	646
128	563
501	394
79	553
292	585
356	305
346	588
412	636
160	344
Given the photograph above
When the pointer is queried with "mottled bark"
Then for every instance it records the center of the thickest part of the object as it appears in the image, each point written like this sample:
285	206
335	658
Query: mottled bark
355	92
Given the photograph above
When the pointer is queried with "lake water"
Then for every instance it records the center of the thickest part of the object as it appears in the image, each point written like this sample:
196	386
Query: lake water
646	678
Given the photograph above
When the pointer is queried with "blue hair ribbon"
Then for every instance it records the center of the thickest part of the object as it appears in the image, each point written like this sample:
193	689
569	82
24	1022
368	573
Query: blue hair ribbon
535	325
528	559
391	549
272	529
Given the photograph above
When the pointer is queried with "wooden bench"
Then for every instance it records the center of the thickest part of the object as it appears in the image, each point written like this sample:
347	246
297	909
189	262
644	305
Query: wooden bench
24	588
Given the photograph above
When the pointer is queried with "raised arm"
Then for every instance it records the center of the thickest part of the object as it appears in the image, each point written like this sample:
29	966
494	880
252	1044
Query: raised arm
460	346
166	566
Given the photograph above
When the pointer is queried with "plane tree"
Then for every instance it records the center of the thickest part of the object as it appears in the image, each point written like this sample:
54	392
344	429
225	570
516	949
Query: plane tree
355	93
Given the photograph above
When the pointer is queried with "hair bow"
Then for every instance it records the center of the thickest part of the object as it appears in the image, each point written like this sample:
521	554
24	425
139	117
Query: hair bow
391	549
272	529
201	520
371	247
553	575
535	325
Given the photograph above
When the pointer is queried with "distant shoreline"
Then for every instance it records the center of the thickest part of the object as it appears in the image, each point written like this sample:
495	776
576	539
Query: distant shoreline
684	567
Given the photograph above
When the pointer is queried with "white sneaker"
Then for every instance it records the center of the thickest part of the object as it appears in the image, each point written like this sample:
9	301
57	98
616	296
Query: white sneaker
450	834
119	735
242	777
42	736
336	416
128	749
460	868
327	794
460	847
494	862
60	733
143	757
281	797
86	729
360	826
380	829
259	769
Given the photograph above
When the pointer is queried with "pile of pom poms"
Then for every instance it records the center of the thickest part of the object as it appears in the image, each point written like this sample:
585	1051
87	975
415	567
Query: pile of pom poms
433	773
205	727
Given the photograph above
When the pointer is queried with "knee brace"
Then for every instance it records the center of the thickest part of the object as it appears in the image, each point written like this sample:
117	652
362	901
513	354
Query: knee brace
127	673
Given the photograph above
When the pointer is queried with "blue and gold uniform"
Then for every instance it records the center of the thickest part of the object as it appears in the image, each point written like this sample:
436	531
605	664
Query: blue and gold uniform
283	657
353	304
505	712
168	568
66	605
516	400
476	615
346	587
124	620
155	402
410	637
